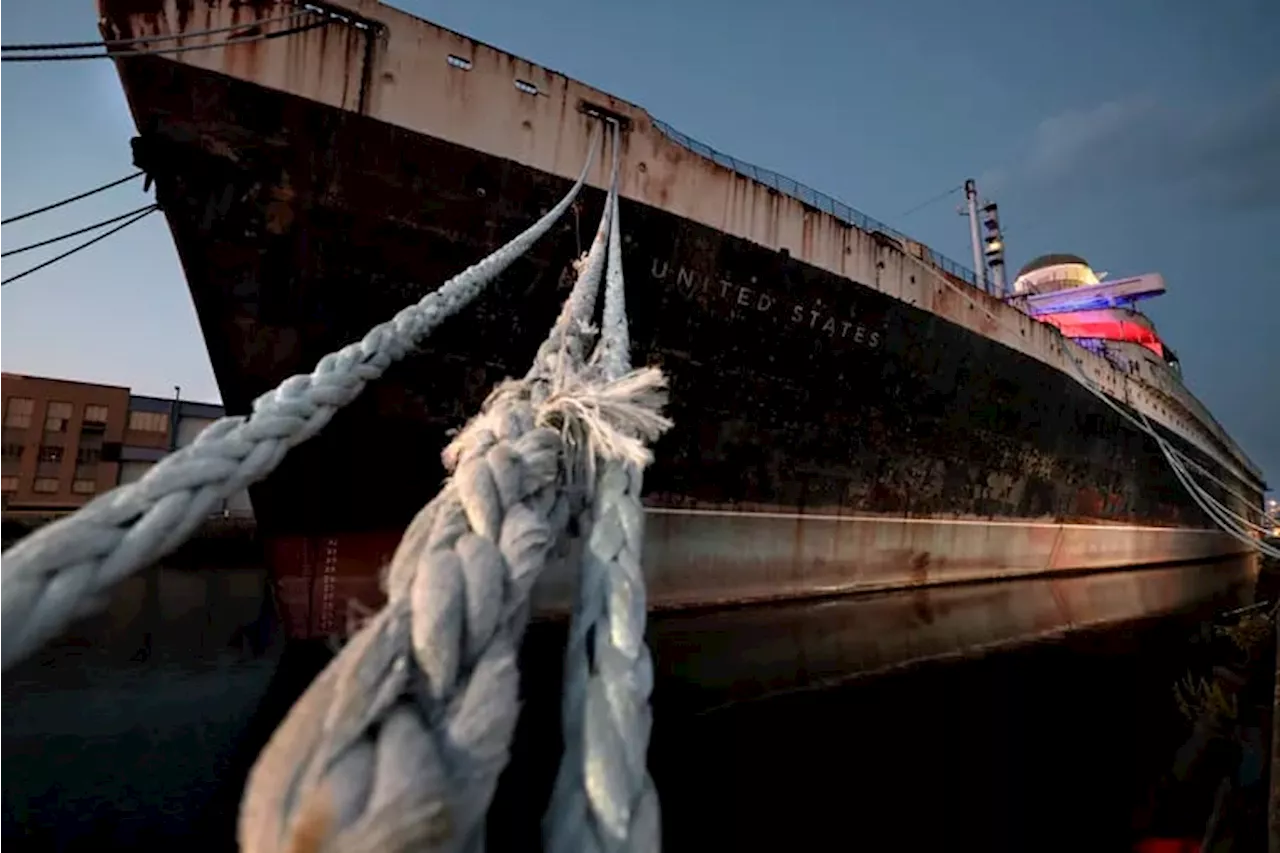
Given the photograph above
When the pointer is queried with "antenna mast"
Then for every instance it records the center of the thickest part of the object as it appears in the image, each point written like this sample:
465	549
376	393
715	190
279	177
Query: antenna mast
971	197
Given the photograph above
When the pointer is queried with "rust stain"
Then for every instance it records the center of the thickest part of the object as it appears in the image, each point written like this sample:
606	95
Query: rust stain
125	8
921	598
279	210
244	55
899	411
1088	502
184	9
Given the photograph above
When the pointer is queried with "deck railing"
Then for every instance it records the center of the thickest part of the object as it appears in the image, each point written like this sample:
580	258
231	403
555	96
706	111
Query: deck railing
811	197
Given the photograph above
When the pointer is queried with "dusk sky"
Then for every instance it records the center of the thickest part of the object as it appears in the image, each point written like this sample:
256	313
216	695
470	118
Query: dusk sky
1141	134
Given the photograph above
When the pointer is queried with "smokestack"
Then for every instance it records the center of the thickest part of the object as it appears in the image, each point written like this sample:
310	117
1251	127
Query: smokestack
993	247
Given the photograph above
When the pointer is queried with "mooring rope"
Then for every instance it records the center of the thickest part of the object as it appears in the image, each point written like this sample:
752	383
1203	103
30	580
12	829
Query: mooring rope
399	743
604	797
63	570
1227	519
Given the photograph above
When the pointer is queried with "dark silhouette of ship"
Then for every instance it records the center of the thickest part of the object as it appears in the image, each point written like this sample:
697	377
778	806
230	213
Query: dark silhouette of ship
853	414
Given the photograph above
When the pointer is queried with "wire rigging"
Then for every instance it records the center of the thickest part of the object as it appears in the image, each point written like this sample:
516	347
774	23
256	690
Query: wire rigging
123	54
67	201
1227	519
937	198
77	45
86	244
75	233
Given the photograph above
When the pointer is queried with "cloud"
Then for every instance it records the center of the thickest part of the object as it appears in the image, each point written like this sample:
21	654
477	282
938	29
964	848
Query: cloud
1224	153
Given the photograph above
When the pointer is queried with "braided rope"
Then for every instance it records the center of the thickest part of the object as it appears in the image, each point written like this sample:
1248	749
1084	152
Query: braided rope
604	797
398	745
612	354
566	345
63	570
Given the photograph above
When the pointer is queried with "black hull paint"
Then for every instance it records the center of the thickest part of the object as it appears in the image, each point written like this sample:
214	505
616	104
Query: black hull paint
301	226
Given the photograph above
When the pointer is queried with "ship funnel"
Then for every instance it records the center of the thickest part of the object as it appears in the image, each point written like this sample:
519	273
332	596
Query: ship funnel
993	246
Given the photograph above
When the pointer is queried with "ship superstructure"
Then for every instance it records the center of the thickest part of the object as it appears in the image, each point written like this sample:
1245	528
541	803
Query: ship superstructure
853	412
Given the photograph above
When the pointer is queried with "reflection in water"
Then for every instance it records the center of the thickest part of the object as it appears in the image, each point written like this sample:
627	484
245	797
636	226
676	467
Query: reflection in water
1063	745
136	732
1049	749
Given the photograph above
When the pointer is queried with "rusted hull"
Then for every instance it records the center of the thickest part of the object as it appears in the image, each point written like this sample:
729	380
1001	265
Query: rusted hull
722	560
789	634
829	437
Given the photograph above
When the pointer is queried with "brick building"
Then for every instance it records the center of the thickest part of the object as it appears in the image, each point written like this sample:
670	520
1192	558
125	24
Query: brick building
65	442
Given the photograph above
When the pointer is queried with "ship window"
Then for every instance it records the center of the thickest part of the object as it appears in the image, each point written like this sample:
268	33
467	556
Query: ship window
526	87
458	62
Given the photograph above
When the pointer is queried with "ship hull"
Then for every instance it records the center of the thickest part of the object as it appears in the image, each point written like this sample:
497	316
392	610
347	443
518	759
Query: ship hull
829	438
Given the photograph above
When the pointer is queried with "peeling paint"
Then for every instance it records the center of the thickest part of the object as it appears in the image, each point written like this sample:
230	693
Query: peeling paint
868	390
301	223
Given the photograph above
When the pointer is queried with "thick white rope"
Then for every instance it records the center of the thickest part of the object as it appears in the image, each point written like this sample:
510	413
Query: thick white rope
398	745
63	570
604	798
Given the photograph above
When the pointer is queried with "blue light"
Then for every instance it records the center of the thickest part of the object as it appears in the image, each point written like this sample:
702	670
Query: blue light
1062	303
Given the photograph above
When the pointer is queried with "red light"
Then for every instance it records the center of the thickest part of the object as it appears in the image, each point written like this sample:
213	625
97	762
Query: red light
1167	845
1105	326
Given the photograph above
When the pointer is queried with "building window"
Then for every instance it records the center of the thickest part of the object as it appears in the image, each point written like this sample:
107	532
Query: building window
149	421
45	485
84	487
18	412
12	451
57	416
96	415
88	455
8	484
49	453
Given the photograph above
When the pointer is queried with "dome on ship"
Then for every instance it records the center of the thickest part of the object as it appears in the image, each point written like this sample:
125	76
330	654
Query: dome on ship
1051	260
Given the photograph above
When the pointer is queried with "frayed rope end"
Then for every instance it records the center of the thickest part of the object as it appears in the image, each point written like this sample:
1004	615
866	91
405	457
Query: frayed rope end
610	420
607	420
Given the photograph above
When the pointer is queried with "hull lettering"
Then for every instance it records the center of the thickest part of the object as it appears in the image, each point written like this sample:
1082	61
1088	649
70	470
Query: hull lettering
741	300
